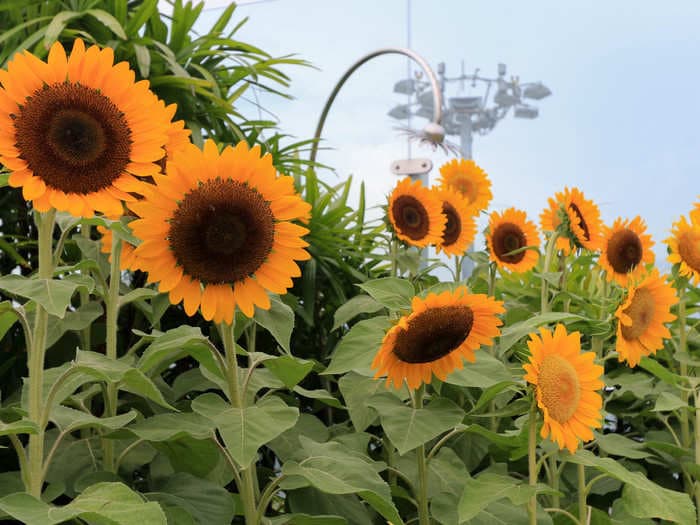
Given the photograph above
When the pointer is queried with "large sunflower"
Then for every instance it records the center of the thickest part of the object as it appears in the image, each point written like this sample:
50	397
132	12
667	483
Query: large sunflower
76	130
440	331
460	227
626	250
565	382
640	329
415	212
216	230
576	218
468	179
509	232
684	245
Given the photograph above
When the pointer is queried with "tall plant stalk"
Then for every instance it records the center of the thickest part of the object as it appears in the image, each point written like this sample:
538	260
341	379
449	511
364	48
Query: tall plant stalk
422	492
112	328
532	460
45	225
237	399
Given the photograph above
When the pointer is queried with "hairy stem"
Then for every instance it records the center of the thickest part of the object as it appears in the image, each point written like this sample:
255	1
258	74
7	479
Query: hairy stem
422	495
544	291
532	460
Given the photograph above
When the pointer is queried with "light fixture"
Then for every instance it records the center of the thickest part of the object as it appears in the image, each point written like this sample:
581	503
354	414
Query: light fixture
407	86
525	111
401	112
536	91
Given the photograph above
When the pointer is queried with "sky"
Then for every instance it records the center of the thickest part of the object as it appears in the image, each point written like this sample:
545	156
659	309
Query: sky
621	123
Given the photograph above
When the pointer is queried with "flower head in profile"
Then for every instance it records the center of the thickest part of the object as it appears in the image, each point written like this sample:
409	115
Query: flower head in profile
77	131
565	381
642	316
415	213
466	177
216	230
626	250
576	218
440	332
508	237
460	227
684	247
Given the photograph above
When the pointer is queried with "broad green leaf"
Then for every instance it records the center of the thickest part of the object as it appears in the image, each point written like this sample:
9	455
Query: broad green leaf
287	444
278	320
109	21
27	509
77	320
329	470
289	369
480	492
408	427
660	371
307	519
245	430
111	503
360	304
358	347
165	427
356	390
53	294
391	292
320	394
70	419
205	501
18	427
513	333
486	371
136	295
617	445
174	344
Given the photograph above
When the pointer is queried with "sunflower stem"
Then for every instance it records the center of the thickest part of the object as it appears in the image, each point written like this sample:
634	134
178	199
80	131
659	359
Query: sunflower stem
45	225
112	327
85	333
422	495
493	423
237	399
582	507
549	253
554	478
458	266
696	487
532	460
393	248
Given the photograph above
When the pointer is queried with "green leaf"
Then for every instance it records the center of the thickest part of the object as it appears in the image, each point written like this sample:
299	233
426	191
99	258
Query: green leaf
307	519
391	292
166	427
513	333
76	321
287	445
330	470
137	295
408	427
360	304
53	294
25	508
278	320
358	347
487	488
322	395
110	503
617	445
57	25
174	344
356	390
206	502
485	372
245	430
289	369
69	419
18	427
109	21
660	371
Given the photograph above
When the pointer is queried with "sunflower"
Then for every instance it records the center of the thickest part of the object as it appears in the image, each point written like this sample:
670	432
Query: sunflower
565	382
640	329
415	212
576	218
216	230
510	231
460	227
440	331
468	179
75	130
684	246
626	250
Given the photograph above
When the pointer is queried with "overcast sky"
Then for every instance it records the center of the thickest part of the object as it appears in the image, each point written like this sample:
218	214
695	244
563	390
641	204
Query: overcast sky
621	124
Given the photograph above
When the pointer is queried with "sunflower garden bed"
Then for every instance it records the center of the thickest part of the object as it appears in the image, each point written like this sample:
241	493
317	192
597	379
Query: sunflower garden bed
197	330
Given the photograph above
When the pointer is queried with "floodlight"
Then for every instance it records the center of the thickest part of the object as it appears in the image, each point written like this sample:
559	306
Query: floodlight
536	91
526	112
407	86
400	112
465	104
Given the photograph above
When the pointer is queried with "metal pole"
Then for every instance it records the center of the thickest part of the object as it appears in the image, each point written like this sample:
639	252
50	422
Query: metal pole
465	146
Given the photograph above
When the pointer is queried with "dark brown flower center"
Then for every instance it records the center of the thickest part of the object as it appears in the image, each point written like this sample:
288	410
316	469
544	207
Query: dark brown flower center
641	311
73	138
433	334
507	238
222	232
411	217
624	250
689	249
582	223
453	226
